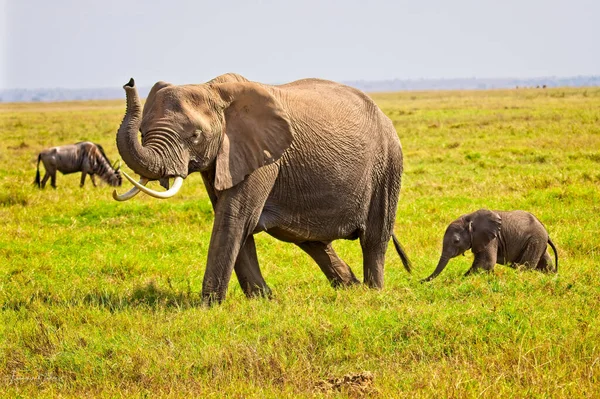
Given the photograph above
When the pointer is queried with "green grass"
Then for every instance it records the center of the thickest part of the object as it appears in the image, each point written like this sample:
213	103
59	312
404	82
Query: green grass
99	298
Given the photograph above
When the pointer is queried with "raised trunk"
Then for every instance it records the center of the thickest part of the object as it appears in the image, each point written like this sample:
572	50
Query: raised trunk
141	159
440	266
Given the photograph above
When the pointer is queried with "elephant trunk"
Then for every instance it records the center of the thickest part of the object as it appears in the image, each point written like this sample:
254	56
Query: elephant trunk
440	266
142	160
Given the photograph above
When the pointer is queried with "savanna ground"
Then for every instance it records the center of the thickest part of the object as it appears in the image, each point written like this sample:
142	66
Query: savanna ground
99	298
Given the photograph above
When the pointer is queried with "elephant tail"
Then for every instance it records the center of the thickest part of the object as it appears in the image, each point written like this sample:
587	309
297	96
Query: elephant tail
555	252
37	174
403	257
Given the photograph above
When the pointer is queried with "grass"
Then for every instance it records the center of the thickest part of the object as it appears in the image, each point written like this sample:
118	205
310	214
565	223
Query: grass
99	298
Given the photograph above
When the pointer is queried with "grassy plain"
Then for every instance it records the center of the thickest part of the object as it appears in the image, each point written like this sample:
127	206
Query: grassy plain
99	298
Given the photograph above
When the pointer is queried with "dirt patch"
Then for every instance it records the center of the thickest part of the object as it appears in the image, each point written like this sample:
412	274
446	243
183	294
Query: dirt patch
353	383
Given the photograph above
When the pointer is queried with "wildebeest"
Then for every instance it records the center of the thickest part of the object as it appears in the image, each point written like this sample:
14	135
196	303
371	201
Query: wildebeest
85	157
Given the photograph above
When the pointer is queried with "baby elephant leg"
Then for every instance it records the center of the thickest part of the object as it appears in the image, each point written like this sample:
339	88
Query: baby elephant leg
480	265
486	259
545	264
531	255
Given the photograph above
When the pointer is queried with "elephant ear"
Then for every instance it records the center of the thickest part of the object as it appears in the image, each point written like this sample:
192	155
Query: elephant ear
257	132
484	226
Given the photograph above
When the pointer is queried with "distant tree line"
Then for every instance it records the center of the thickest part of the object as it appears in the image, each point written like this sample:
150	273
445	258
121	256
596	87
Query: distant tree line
57	94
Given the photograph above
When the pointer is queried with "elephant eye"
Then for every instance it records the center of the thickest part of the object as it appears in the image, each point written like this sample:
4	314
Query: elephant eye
198	135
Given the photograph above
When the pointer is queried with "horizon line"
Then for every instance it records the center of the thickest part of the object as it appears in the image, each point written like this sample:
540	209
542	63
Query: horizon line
422	79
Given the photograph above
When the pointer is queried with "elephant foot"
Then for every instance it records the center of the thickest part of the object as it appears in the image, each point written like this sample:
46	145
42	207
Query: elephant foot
214	298
344	283
479	269
210	299
255	291
547	270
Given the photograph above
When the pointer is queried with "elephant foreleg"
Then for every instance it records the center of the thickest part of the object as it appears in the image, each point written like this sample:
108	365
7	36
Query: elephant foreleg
229	232
246	266
237	211
486	259
248	272
336	270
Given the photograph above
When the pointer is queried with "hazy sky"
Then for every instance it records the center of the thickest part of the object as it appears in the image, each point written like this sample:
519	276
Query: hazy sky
88	44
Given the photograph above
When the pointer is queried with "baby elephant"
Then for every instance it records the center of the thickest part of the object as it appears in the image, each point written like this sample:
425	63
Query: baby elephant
513	238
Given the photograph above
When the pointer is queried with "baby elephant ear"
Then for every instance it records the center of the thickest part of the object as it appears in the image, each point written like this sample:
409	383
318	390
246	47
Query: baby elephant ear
484	226
257	132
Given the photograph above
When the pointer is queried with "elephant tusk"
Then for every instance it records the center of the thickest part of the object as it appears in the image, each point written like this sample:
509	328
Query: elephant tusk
131	193
157	194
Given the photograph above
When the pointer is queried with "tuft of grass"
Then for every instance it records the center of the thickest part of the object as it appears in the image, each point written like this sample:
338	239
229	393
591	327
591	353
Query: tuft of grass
99	298
454	144
14	198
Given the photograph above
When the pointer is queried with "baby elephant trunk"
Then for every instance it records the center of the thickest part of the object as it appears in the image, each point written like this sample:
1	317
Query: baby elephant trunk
440	266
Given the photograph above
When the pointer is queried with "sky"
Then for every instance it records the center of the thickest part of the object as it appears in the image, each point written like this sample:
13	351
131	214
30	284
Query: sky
101	44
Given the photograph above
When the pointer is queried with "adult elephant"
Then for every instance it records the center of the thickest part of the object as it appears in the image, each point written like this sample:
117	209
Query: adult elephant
307	162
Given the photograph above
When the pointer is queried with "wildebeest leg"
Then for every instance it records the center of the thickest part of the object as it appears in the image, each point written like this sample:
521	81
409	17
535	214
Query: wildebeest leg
53	179
93	180
82	182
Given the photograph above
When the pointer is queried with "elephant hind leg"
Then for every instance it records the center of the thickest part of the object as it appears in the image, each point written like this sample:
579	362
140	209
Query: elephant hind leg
378	229
45	179
545	264
531	255
373	262
335	269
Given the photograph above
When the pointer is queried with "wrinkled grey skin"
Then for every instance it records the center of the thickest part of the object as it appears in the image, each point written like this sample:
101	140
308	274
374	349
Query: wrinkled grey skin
307	162
515	238
85	157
